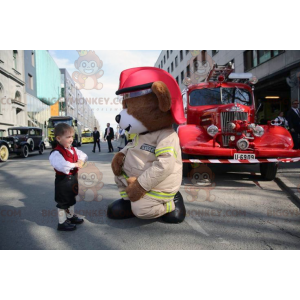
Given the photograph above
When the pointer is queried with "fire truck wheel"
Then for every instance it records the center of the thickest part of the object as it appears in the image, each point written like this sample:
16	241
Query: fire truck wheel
268	171
186	168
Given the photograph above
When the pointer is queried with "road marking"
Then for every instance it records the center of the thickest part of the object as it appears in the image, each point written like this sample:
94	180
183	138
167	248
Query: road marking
195	225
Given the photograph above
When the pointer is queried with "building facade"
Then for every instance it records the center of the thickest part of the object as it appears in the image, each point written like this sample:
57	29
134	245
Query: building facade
12	90
278	72
74	104
38	112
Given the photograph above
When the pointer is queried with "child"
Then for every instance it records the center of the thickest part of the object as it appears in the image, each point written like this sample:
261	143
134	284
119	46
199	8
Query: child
66	161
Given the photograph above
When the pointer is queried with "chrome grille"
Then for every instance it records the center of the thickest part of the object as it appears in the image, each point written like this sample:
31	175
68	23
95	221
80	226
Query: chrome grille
229	116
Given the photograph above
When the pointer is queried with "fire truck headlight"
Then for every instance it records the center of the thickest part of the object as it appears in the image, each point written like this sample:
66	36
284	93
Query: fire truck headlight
258	131
253	80
231	126
242	144
251	126
232	138
212	130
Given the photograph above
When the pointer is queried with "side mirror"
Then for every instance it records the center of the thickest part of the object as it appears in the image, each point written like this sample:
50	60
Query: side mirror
75	122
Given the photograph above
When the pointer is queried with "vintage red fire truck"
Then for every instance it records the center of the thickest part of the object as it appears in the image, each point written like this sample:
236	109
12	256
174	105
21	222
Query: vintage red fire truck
221	125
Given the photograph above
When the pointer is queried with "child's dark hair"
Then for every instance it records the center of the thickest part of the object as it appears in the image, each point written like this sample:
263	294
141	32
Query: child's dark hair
59	130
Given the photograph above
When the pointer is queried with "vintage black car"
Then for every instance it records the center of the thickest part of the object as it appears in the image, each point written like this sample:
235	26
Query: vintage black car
22	141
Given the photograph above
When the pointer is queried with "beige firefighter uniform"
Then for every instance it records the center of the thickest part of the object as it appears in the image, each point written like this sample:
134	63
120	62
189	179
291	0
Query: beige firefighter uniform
155	159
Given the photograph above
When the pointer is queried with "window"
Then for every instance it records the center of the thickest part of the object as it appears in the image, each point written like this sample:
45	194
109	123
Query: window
171	51
253	58
195	63
188	72
30	81
172	67
164	59
161	63
176	61
263	55
167	54
214	52
32	58
186	52
177	80
203	55
182	76
168	69
18	96
181	55
15	58
1	94
219	96
159	66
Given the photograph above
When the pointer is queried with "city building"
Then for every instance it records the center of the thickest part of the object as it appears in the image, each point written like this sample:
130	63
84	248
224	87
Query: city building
278	73
74	104
12	90
38	111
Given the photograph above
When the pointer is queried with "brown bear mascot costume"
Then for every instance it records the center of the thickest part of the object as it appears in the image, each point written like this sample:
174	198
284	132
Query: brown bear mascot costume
148	171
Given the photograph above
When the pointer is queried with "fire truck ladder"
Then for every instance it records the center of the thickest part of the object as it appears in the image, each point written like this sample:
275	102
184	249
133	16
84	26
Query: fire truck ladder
216	71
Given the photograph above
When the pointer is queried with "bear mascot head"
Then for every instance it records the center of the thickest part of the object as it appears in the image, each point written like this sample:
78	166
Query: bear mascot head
148	171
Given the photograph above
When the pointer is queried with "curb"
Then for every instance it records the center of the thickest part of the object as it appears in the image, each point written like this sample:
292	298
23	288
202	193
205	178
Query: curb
290	188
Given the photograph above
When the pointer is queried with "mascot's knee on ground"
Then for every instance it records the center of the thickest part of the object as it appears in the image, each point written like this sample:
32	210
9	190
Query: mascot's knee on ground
148	171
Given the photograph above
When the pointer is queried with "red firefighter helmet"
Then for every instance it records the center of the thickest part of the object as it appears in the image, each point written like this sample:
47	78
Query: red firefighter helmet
136	79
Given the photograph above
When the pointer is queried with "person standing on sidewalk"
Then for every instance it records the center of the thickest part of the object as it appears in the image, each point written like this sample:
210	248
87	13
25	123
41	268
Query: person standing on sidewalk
109	135
66	160
96	136
293	117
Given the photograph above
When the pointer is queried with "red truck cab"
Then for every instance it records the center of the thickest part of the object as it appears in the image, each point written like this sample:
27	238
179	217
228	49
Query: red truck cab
221	125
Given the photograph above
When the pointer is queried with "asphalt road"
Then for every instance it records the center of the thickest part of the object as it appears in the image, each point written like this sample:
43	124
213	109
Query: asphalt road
238	211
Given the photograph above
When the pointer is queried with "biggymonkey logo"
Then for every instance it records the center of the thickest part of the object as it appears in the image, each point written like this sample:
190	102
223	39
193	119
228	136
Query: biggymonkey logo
200	65
89	183
89	71
201	177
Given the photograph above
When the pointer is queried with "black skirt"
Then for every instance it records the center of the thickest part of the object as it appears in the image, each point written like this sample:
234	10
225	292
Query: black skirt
66	189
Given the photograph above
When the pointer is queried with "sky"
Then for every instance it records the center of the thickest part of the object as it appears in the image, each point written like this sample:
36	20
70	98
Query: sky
114	62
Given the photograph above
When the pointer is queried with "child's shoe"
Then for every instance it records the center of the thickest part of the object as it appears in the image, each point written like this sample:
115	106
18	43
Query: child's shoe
75	220
66	226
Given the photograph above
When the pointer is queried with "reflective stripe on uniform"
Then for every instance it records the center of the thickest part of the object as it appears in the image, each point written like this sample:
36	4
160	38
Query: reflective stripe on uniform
123	194
165	150
169	206
152	194
124	175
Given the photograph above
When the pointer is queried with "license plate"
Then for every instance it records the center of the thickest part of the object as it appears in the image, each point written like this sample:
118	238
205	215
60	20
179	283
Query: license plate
243	156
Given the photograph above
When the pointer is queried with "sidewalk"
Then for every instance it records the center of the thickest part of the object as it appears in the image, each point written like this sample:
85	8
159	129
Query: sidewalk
288	178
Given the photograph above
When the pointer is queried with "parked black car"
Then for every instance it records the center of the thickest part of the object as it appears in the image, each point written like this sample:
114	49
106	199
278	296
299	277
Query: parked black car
22	141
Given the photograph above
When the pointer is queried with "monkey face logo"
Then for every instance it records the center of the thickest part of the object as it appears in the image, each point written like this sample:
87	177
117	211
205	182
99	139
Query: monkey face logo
200	65
89	67
89	71
202	68
89	183
201	178
201	175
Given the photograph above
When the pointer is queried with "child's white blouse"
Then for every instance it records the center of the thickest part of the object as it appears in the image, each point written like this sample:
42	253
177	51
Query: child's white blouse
58	162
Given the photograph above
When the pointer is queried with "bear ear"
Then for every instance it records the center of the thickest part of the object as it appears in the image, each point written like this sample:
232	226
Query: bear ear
162	93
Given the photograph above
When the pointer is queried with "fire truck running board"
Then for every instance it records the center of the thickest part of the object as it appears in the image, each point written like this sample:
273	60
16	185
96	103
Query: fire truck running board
239	161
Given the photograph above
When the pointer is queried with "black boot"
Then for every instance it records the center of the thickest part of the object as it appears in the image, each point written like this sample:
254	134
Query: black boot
120	209
66	226
177	215
75	220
